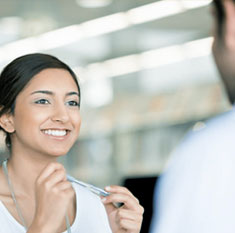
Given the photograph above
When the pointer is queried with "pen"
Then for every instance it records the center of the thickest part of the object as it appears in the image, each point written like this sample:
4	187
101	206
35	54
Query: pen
92	188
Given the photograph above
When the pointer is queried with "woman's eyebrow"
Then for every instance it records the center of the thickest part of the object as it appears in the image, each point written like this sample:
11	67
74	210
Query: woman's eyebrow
43	92
72	93
52	93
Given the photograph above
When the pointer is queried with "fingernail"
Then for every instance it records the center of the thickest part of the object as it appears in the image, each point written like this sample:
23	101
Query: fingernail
108	188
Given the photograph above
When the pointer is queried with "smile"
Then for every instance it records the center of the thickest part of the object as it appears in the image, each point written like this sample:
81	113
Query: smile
57	133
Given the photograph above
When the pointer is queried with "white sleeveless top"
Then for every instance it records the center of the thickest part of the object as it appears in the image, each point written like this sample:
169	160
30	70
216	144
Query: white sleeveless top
90	217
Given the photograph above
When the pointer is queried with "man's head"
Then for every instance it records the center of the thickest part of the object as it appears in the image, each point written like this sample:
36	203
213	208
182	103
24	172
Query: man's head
224	43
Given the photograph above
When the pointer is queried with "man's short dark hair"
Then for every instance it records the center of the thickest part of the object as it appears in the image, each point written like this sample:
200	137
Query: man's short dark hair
220	15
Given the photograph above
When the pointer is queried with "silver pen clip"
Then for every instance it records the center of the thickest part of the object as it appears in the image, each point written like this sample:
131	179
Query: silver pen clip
92	188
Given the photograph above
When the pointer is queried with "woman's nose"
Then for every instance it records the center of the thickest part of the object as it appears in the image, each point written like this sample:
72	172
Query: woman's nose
60	113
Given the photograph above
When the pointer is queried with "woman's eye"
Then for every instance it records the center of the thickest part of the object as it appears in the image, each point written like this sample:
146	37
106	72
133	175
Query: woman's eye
72	103
42	101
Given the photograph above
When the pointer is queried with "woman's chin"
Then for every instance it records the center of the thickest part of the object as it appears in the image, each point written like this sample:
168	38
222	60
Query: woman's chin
58	153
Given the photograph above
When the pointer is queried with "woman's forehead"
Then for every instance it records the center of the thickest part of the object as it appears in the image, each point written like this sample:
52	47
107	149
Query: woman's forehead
52	78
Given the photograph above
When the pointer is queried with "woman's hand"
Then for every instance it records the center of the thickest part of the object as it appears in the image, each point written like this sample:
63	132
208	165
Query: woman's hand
53	196
128	217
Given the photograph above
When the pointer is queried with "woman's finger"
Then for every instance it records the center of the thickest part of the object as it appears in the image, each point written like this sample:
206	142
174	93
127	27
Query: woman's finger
129	215
110	207
129	225
56	177
128	201
118	189
49	169
64	185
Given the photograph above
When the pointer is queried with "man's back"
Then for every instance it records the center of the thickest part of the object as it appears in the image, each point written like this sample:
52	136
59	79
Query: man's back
197	190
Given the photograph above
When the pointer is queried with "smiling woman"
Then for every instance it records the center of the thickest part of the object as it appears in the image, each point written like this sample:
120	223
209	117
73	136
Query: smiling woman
40	115
50	102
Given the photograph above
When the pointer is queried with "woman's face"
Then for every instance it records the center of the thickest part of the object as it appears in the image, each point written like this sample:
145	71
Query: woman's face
47	118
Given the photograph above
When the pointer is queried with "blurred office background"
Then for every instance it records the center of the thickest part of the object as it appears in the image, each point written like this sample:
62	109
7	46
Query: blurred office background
146	72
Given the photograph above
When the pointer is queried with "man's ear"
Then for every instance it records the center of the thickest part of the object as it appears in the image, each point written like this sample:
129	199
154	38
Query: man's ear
229	7
7	123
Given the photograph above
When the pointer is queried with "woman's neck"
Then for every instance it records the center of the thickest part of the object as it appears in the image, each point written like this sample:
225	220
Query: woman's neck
24	169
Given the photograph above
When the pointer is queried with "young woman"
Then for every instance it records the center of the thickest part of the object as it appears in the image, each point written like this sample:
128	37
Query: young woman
39	113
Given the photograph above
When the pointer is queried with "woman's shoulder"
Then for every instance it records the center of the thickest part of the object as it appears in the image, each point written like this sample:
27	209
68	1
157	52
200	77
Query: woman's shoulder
88	201
85	194
90	211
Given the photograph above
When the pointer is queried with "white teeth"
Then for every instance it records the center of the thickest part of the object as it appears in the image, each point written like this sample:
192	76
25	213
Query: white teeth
55	132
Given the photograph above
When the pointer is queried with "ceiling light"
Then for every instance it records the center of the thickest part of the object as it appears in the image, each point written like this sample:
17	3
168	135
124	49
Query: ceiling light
147	60
93	3
163	9
99	26
104	25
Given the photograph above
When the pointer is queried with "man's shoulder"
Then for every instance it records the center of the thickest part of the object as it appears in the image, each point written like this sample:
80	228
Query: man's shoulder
220	126
214	142
216	136
223	120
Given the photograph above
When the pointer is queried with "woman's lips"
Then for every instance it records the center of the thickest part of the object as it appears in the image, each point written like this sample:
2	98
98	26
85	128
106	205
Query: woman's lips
55	132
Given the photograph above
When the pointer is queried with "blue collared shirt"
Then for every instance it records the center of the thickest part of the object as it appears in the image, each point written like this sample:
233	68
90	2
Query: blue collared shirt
196	193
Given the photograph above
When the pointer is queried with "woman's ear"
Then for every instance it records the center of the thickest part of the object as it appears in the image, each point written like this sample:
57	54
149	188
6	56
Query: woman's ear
7	123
